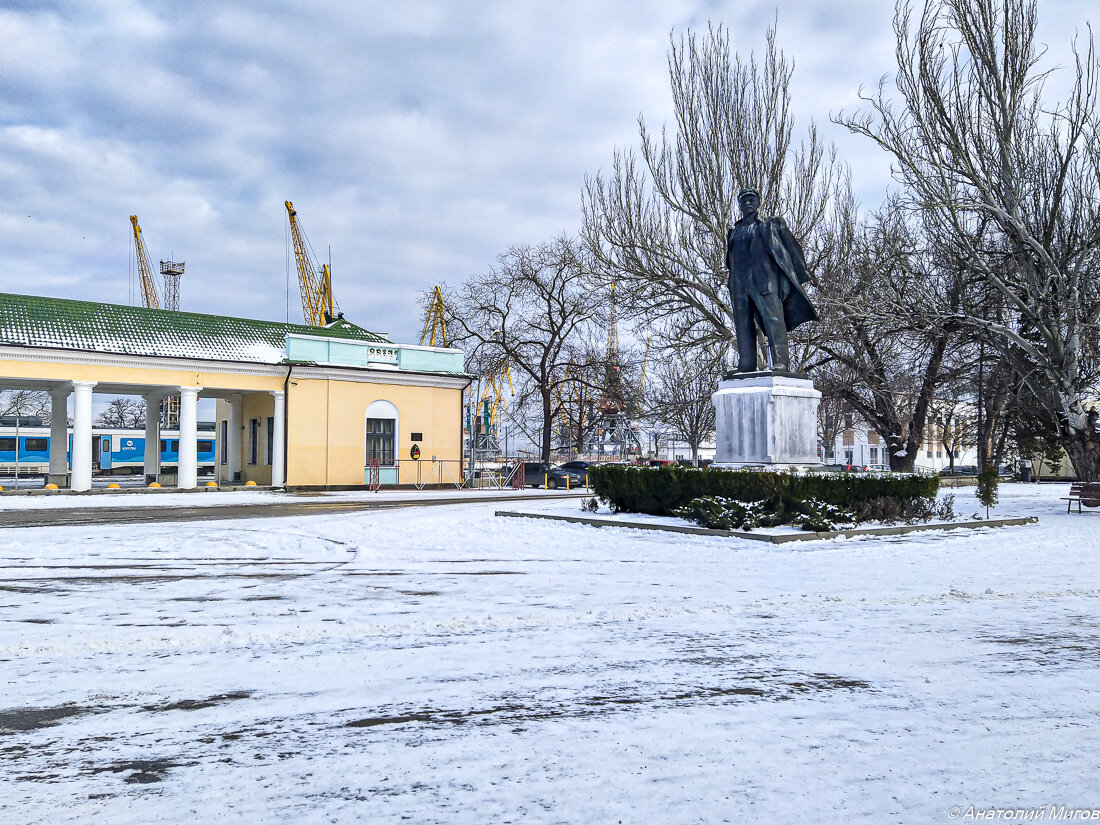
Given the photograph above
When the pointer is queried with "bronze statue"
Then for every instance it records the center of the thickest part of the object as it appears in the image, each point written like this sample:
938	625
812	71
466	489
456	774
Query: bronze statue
767	270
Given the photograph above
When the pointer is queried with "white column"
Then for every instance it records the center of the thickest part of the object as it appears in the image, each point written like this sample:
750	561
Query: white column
189	431
82	435
278	456
59	431
152	436
233	442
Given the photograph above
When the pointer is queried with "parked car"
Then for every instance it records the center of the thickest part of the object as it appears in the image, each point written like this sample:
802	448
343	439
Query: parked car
960	470
877	468
538	473
579	467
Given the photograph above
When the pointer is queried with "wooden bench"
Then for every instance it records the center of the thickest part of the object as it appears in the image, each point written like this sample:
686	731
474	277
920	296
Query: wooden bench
1083	492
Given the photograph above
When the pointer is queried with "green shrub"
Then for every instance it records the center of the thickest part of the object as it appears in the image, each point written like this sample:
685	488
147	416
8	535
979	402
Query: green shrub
820	517
986	491
720	513
661	490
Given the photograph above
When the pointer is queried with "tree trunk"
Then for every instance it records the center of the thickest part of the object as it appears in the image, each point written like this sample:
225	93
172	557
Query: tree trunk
903	463
547	424
1083	448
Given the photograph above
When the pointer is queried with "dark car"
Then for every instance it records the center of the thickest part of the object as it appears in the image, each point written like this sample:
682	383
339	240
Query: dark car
539	473
578	467
960	470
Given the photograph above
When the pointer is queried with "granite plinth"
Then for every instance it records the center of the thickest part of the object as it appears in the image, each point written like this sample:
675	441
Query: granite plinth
766	419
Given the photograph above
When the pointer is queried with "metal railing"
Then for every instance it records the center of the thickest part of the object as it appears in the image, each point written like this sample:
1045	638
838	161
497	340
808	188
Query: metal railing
442	473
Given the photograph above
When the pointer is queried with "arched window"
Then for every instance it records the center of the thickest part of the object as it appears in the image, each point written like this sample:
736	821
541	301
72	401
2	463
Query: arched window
382	431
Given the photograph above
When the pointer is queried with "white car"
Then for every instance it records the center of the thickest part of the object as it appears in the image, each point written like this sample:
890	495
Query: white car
877	468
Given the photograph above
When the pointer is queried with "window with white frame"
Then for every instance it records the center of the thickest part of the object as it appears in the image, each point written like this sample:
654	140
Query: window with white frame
380	441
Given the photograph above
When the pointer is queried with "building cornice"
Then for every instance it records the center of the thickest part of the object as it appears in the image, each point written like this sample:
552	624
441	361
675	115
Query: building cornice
382	376
370	375
53	355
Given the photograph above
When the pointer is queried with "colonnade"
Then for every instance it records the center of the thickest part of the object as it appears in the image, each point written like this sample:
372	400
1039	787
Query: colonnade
80	475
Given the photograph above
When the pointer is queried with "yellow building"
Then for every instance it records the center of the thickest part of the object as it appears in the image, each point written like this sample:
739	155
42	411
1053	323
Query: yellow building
297	406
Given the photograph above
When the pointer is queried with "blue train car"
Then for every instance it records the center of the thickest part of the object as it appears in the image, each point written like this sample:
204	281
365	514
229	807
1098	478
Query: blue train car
123	451
114	450
33	451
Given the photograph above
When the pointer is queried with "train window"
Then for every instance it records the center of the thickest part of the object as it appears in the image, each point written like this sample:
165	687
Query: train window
206	446
7	444
35	445
163	446
175	445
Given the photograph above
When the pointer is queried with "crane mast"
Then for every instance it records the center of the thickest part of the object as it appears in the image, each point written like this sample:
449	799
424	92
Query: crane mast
148	285
435	323
170	406
317	302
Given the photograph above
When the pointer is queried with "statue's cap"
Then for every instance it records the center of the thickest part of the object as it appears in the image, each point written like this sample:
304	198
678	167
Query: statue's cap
748	190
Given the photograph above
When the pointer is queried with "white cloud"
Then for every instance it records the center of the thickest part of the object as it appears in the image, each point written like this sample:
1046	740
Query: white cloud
418	139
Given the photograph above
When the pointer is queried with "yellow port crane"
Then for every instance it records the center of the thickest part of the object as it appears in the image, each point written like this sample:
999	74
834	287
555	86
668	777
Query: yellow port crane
435	323
317	301
170	406
148	286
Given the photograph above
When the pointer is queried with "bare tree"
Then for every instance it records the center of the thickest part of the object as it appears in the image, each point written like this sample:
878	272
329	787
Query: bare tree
1011	180
953	426
680	396
31	403
887	356
122	412
657	222
528	311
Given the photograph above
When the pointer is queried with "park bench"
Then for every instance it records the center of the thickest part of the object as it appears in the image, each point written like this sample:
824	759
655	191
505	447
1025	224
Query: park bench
1083	492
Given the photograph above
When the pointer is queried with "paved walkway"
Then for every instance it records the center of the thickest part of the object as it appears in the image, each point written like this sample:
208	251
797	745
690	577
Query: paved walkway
134	515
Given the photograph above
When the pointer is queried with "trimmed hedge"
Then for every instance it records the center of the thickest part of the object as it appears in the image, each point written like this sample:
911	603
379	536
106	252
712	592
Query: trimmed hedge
660	490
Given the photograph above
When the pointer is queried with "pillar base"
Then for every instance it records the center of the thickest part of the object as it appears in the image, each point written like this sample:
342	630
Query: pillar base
766	420
60	479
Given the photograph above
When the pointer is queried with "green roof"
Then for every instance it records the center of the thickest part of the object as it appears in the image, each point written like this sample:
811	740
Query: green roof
27	320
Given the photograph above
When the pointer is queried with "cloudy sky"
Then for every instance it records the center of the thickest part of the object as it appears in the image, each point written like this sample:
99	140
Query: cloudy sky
417	139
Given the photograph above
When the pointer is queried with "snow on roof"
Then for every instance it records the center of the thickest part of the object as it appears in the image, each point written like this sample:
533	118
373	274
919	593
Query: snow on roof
31	321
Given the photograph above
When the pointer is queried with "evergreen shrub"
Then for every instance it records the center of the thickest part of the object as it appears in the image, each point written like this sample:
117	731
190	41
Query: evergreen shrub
659	491
721	513
986	491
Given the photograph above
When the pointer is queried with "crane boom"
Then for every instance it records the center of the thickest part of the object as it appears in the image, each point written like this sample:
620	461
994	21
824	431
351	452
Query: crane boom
435	322
317	301
148	285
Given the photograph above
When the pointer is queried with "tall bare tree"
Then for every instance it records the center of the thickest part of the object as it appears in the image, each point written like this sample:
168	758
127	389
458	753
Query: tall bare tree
657	221
679	398
26	403
122	412
1011	180
529	311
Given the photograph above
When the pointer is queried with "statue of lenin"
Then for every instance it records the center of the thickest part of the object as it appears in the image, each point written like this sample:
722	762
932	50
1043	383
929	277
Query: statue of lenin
766	272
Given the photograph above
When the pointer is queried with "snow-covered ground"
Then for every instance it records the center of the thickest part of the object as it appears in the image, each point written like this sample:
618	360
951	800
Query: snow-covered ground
444	665
228	497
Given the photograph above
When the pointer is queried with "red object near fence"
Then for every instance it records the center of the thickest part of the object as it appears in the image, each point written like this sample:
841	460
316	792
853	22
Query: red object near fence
518	480
375	474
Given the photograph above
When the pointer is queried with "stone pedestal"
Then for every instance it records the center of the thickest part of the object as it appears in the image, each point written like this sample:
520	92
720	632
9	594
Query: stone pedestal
766	419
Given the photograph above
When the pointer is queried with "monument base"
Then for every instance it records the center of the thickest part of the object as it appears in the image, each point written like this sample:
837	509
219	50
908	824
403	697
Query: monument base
766	420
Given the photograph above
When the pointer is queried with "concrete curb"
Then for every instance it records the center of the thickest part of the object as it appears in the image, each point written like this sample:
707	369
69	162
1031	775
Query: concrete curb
776	539
65	516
